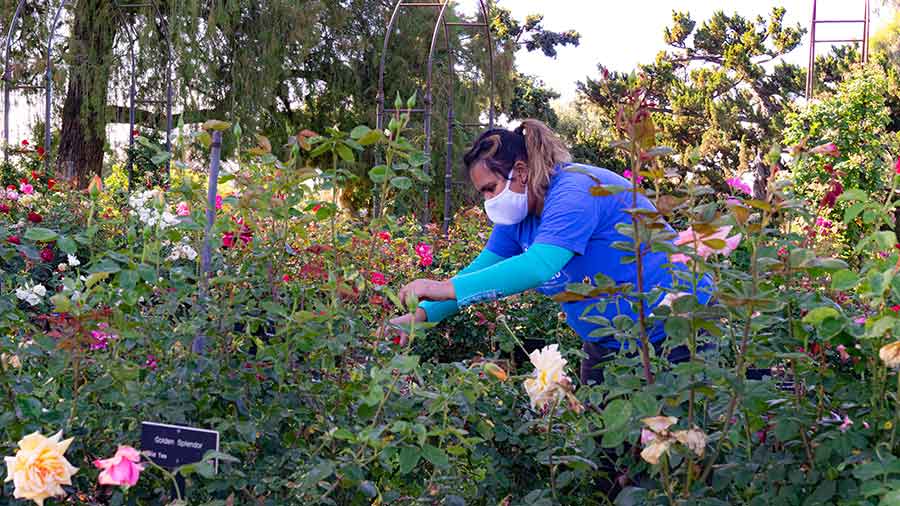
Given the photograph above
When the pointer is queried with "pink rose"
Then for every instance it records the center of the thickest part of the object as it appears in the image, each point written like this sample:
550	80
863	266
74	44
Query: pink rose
739	185
424	252
829	149
122	469
183	209
218	202
700	243
26	188
627	175
842	351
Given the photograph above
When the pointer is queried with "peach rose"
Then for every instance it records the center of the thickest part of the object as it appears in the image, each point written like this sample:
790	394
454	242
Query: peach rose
39	469
700	243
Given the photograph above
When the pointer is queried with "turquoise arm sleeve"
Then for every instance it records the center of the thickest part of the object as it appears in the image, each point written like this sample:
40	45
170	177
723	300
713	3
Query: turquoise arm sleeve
437	311
515	274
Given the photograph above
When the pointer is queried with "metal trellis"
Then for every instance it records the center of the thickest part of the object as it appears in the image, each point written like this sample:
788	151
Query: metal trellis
441	24
9	85
813	41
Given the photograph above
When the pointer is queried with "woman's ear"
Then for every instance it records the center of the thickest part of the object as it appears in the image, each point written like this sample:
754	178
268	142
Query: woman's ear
521	172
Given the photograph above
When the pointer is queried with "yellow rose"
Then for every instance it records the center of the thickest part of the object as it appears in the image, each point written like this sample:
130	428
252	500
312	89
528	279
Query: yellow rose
39	468
890	354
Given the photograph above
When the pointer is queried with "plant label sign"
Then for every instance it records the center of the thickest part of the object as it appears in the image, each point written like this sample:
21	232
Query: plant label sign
170	446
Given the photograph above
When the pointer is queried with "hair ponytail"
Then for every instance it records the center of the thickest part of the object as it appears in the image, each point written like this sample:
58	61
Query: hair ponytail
531	142
545	150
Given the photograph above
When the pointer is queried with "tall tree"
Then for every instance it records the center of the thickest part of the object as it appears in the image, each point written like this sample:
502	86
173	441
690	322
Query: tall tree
720	92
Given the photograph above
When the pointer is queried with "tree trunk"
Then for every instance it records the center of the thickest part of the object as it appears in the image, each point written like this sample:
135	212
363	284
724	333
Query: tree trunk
83	131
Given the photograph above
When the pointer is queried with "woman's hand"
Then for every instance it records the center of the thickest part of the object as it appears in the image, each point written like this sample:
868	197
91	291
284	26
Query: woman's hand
403	321
427	289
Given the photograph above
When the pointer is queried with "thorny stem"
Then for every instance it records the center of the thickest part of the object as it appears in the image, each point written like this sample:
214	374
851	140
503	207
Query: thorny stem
639	264
740	366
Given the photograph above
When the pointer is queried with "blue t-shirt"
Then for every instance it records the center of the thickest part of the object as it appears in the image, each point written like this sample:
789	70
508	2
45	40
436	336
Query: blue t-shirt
574	219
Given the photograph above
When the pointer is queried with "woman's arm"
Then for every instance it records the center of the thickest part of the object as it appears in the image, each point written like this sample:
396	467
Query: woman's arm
437	311
514	275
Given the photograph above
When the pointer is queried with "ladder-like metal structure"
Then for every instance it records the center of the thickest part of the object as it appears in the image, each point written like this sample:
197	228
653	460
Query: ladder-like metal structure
813	41
9	84
441	24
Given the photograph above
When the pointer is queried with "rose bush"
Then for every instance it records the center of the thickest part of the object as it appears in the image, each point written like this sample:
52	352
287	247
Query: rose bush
788	395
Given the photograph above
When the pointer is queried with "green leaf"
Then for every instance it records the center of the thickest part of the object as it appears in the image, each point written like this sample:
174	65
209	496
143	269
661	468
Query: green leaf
819	314
401	182
436	456
215	124
644	404
886	239
616	414
853	194
160	158
844	280
880	326
39	234
409	458
418	159
892	498
378	173
345	153
853	211
67	245
370	138
359	132
785	430
95	278
128	279
823	493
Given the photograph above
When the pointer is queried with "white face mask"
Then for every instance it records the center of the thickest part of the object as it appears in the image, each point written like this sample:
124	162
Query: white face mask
507	208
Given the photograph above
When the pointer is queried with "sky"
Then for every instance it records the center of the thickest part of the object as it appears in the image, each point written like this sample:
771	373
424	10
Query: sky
621	34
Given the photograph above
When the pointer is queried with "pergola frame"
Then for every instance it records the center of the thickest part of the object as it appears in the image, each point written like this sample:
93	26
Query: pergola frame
813	41
441	24
8	85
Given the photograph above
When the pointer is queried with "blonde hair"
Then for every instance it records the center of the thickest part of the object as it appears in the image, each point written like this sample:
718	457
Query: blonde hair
545	152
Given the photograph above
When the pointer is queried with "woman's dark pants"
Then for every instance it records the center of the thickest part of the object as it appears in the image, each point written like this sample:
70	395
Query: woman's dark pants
597	356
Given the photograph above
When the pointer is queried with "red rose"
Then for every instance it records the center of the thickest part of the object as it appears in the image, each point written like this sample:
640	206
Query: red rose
4	208
377	279
895	308
40	151
135	133
24	142
47	254
35	217
227	240
13	239
286	278
316	208
51	183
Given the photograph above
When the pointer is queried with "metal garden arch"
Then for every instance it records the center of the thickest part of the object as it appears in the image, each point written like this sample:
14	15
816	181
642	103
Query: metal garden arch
441	24
8	85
